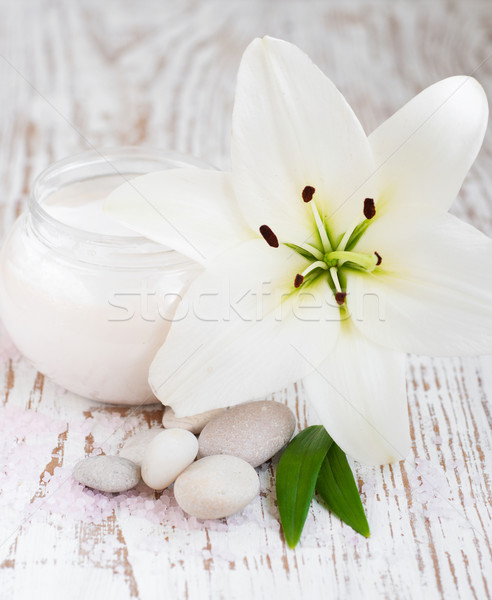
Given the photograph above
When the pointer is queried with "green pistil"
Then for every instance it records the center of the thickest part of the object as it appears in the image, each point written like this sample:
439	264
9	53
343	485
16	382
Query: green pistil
330	262
366	261
332	254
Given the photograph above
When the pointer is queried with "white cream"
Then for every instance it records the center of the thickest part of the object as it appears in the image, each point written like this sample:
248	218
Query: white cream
80	205
90	319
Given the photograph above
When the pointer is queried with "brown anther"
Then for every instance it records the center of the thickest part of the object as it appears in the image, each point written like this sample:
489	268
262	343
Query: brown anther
308	193
298	280
380	260
369	208
340	297
269	237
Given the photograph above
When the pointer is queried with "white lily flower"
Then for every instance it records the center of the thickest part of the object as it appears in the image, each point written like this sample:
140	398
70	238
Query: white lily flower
352	235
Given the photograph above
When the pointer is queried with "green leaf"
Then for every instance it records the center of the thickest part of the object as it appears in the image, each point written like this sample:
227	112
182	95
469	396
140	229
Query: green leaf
297	473
336	486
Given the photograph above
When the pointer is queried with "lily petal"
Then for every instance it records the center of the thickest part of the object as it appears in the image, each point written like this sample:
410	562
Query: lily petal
432	294
193	211
360	397
424	151
291	129
242	333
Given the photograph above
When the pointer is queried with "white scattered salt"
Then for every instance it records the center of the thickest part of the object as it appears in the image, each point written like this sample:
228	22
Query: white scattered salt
430	491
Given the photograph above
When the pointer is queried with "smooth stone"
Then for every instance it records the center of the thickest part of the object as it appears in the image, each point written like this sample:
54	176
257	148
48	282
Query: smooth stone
216	486
195	423
254	431
134	448
166	456
107	473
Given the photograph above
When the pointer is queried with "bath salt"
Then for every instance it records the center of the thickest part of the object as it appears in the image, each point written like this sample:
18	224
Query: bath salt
27	439
29	493
430	490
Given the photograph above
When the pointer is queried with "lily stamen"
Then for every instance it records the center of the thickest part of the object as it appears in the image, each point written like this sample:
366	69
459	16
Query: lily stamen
379	257
369	208
269	237
369	212
319	264
336	282
308	193
339	295
312	250
307	196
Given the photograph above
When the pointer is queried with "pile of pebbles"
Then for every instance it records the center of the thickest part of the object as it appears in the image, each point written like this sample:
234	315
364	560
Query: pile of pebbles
213	475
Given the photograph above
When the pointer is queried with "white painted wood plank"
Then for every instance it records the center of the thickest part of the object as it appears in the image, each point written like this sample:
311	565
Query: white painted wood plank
163	74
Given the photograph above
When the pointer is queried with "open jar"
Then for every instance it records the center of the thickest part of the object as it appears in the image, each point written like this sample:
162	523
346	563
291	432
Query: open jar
86	300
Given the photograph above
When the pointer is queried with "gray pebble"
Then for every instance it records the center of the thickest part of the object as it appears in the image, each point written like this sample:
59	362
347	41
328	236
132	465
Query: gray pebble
254	431
107	473
216	487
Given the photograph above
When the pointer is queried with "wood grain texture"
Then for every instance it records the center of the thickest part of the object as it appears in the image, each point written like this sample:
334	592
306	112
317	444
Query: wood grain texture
81	74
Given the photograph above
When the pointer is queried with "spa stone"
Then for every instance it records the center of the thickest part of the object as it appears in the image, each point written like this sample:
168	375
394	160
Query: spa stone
107	473
254	431
216	487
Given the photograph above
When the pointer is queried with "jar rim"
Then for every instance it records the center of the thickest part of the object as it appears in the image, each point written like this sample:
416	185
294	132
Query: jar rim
105	156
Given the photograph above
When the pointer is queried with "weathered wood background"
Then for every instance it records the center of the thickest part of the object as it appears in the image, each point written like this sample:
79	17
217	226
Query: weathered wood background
80	74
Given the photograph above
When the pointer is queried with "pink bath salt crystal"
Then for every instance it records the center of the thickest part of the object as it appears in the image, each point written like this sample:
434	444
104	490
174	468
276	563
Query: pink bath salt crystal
174	517
193	523
215	525
82	427
165	500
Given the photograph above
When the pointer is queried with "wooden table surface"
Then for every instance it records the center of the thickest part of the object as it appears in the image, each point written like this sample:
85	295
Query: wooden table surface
76	75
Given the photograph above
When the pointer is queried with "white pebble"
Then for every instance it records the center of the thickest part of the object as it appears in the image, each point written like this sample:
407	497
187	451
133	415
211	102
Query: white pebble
166	456
253	431
216	487
107	473
194	423
134	448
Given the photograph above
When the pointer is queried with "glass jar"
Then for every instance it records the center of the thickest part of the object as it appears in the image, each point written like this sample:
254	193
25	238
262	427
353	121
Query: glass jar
87	301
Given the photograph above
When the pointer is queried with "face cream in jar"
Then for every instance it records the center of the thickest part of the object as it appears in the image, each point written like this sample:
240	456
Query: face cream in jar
86	300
